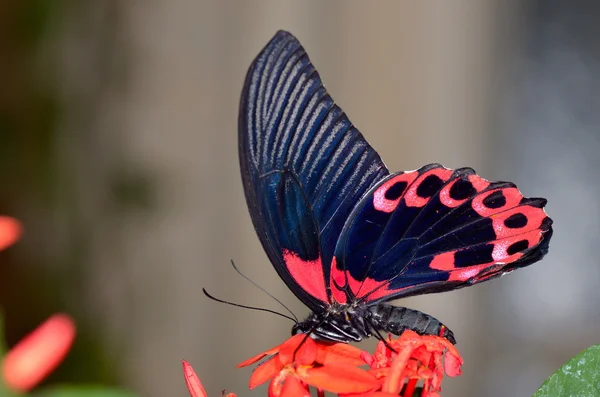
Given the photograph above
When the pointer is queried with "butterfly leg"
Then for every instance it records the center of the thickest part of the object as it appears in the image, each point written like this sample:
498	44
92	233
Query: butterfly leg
378	335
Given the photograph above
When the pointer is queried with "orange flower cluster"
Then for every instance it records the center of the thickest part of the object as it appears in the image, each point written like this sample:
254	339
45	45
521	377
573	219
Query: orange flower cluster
395	369
301	362
38	353
414	357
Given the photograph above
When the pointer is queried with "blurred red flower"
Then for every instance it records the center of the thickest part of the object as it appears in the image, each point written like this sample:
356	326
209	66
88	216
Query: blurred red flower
10	231
39	353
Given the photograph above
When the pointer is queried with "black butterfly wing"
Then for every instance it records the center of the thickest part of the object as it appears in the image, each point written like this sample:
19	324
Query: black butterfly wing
304	166
435	230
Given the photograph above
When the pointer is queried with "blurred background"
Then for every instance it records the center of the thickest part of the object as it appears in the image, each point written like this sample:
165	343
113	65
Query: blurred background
118	152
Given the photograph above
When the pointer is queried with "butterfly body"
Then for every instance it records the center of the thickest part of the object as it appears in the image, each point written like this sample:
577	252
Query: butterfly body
353	323
344	233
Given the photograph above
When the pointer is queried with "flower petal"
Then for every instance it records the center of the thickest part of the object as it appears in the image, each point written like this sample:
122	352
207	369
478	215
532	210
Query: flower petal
259	357
300	349
369	394
38	353
292	387
395	380
339	353
192	381
438	373
10	231
379	373
265	371
341	378
452	364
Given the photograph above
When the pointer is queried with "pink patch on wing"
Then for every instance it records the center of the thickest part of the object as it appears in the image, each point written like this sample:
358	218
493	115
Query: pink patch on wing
381	292
370	285
411	197
466	273
444	262
385	205
500	253
500	258
446	199
307	274
478	183
358	288
512	196
337	279
534	215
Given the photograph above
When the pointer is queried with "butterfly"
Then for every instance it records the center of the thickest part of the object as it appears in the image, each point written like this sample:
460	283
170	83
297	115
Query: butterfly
344	233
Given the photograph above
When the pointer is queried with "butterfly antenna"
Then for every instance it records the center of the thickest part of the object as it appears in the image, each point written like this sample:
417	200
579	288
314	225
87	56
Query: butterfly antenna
263	290
260	309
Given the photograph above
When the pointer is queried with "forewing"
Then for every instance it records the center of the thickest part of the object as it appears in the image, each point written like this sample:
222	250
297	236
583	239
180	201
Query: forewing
304	166
434	230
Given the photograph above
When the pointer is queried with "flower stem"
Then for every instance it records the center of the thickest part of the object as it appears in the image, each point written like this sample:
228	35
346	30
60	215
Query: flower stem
410	387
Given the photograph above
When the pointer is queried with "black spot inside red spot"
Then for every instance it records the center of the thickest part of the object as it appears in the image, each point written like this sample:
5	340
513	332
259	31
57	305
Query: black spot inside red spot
495	200
395	191
430	186
517	247
516	221
462	189
472	257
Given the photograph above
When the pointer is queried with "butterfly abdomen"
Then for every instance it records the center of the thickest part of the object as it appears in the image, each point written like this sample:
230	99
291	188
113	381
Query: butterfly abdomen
388	318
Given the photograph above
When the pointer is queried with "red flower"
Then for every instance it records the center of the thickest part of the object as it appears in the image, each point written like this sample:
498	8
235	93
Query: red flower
10	231
418	357
193	382
301	362
36	355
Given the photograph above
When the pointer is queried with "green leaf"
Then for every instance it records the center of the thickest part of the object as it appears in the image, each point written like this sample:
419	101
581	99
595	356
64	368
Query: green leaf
82	391
580	377
417	392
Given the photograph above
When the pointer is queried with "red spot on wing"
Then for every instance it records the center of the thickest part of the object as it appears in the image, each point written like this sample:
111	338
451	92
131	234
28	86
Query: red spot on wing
500	253
534	215
447	200
466	273
307	274
479	184
512	195
385	205
358	288
411	197
443	261
500	256
382	291
337	282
